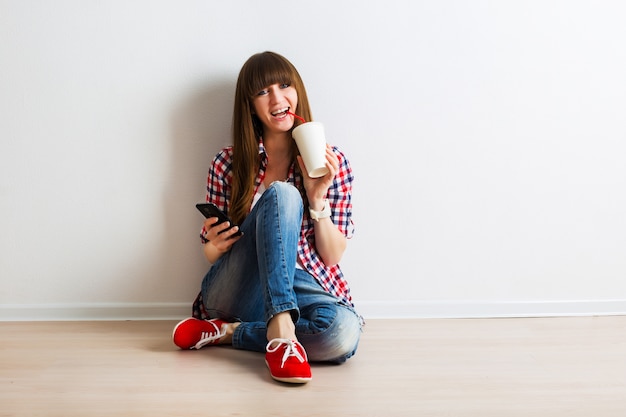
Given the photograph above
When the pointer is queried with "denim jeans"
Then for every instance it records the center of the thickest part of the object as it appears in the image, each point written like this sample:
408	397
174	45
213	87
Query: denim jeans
258	279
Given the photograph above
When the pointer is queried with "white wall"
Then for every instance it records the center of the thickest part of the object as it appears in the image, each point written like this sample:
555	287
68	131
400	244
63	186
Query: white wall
487	140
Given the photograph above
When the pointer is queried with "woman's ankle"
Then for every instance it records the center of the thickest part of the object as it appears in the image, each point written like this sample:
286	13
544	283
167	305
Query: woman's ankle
281	326
229	329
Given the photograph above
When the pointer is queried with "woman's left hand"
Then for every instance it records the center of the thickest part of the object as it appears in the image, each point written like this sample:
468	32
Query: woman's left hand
317	188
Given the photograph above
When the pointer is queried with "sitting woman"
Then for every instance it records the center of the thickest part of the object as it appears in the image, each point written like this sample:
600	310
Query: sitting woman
277	286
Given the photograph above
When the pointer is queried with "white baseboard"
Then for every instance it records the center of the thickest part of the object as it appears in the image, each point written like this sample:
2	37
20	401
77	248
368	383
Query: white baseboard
368	309
94	311
489	309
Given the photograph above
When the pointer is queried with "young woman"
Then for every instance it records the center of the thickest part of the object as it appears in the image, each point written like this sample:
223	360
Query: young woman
277	288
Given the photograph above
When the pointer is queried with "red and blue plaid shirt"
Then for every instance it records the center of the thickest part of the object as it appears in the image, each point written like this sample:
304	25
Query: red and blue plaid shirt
339	197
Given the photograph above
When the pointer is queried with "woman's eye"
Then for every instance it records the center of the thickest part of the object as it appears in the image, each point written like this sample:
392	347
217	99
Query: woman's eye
262	92
285	85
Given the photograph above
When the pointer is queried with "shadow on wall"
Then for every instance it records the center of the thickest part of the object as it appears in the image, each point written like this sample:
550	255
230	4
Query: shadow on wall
200	127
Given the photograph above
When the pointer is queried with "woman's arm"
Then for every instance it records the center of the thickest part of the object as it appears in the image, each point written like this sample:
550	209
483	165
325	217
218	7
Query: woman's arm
215	244
330	240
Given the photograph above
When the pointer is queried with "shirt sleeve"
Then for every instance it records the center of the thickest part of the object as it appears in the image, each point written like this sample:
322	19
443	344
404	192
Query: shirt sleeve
340	196
218	187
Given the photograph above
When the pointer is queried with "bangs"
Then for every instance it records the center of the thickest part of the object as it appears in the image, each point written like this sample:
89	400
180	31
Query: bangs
266	69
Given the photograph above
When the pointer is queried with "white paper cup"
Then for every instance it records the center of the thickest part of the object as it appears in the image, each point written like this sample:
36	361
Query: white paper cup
311	143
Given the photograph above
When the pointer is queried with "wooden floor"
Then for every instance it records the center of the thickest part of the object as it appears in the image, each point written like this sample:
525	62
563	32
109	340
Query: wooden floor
439	367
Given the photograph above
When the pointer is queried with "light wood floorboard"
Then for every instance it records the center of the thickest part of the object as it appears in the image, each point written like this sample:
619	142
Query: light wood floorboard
425	367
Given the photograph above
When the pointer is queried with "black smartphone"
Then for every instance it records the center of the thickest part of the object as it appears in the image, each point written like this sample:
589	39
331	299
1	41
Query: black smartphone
211	210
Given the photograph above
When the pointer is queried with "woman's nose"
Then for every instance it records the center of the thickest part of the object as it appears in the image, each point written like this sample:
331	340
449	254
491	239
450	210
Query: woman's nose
276	94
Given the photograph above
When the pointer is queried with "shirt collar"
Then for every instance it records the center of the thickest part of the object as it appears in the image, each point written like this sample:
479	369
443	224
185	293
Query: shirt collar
262	148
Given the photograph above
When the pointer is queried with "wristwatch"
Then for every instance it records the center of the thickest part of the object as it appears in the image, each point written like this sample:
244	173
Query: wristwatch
322	214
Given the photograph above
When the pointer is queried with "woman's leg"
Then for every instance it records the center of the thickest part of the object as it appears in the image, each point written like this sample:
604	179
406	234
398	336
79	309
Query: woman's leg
328	329
253	282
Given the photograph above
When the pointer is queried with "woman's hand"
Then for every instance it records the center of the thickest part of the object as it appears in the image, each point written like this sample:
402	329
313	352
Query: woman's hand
317	188
220	240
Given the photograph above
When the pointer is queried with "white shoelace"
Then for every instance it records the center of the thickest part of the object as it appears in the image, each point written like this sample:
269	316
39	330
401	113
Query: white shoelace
290	350
210	337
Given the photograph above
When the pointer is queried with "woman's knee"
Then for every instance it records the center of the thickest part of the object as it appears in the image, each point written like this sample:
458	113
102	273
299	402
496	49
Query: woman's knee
284	200
285	193
331	334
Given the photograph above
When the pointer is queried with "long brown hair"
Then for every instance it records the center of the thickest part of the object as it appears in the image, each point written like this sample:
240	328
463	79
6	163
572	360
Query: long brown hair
259	71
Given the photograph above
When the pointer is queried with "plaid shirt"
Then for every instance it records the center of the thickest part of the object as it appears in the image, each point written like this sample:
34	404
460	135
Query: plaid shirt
340	200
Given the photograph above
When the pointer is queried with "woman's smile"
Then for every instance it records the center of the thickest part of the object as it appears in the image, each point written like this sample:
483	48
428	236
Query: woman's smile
280	113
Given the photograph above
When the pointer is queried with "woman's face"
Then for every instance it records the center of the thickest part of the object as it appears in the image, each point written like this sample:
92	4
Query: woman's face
271	105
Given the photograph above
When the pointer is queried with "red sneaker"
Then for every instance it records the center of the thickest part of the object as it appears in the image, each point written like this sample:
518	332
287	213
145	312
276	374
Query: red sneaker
287	361
194	333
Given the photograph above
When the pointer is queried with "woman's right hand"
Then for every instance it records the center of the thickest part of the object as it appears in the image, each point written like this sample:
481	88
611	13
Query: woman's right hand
220	240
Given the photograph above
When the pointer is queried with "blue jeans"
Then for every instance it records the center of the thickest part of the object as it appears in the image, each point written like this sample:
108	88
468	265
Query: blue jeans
258	279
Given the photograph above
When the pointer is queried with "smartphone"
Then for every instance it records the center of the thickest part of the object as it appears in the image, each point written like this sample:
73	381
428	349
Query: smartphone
211	210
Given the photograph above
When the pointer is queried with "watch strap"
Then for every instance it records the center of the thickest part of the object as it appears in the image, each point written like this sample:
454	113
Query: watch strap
322	214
